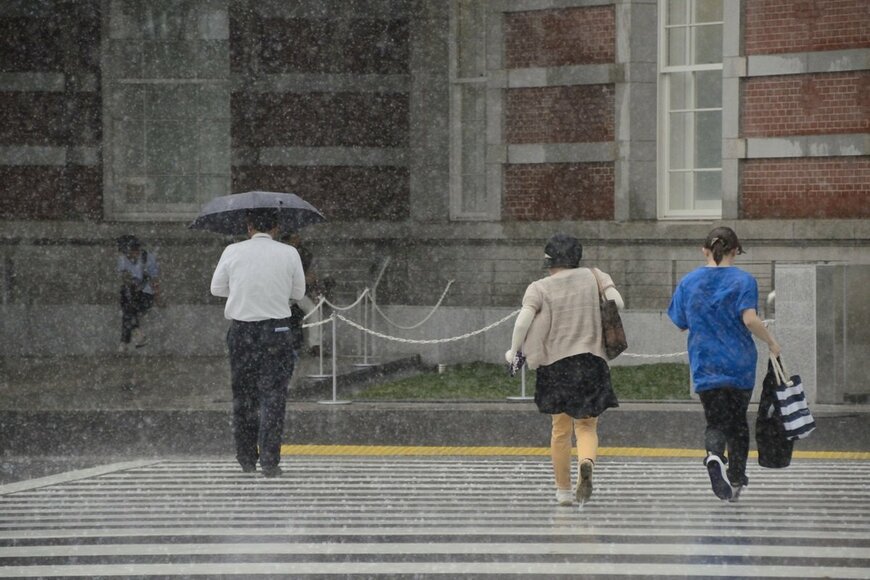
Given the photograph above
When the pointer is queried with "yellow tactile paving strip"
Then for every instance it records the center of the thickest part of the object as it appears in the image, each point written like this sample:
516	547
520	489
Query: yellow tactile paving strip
397	450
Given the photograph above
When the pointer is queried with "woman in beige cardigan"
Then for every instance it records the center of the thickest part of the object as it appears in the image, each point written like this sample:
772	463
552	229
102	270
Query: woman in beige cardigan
559	331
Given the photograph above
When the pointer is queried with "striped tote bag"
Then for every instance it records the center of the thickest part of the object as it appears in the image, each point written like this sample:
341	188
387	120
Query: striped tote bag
797	420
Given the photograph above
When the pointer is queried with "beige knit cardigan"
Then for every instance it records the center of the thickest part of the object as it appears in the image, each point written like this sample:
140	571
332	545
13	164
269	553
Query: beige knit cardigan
568	316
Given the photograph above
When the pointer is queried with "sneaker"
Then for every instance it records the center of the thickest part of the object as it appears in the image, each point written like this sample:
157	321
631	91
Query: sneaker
718	478
584	485
565	497
273	471
138	338
736	490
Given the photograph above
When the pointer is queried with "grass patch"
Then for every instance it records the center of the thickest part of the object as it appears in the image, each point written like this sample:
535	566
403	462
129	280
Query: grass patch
487	381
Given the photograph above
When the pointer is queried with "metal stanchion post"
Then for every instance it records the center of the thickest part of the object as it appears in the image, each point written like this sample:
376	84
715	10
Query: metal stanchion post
365	338
320	345
522	396
334	400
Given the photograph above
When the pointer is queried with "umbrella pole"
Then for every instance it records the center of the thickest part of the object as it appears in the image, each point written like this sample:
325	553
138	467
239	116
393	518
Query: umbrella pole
334	401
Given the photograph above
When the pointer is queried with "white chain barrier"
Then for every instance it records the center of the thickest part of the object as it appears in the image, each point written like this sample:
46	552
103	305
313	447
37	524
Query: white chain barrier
482	330
419	324
362	295
426	341
316	308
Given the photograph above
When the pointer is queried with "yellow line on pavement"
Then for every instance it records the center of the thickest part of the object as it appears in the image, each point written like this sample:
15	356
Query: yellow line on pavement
398	450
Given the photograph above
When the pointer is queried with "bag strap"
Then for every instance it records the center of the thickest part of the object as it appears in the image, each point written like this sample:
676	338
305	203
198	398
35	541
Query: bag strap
779	370
597	282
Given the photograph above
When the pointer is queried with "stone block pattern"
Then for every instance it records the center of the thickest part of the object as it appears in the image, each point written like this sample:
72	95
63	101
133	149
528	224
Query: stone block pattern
786	26
558	191
563	37
820	187
806	104
342	193
571	114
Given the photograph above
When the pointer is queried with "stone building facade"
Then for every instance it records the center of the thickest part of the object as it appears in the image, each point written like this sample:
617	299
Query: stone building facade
452	136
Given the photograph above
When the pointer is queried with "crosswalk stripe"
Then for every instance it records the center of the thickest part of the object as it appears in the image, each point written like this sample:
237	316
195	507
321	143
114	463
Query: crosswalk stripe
447	515
488	451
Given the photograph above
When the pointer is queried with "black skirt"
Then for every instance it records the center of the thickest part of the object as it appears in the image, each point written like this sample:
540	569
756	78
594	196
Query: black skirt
578	385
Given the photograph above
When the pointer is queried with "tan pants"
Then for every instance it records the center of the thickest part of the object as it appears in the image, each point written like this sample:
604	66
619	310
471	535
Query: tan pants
586	432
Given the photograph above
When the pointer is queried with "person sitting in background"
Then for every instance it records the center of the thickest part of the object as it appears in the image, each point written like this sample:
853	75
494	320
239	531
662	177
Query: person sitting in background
140	289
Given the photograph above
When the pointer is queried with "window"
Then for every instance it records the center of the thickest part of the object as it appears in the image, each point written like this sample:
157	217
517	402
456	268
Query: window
167	108
690	108
469	199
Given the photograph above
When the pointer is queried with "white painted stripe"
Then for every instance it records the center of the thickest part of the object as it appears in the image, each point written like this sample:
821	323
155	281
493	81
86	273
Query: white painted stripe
428	548
71	476
645	569
530	531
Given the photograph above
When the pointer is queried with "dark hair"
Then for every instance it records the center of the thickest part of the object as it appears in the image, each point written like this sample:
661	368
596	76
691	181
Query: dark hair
128	242
563	251
720	241
262	219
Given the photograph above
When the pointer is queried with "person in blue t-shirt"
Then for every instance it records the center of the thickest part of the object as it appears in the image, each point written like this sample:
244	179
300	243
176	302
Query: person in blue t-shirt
718	305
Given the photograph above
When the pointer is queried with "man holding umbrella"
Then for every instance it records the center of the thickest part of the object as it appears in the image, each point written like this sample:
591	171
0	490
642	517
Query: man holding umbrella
259	277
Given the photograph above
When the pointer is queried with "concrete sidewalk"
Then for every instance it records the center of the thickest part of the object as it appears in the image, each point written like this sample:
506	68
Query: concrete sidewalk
132	406
141	382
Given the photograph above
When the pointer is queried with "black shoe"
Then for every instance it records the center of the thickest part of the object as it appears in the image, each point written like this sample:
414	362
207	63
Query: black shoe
736	490
718	476
249	468
274	471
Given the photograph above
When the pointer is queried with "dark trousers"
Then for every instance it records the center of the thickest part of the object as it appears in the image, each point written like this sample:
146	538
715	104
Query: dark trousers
725	411
261	364
134	304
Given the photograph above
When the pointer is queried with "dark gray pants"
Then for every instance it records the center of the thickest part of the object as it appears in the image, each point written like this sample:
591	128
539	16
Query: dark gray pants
261	364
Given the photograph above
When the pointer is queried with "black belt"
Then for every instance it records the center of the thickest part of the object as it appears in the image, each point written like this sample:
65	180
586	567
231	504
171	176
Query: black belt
267	322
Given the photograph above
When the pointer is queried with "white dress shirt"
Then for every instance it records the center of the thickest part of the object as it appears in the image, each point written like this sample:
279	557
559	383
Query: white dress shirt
259	277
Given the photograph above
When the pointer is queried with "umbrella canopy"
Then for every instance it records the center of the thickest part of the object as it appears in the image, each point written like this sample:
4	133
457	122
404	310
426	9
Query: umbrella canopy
226	214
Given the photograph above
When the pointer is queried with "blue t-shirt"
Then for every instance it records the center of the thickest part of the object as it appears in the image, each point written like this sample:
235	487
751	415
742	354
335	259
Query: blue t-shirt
709	302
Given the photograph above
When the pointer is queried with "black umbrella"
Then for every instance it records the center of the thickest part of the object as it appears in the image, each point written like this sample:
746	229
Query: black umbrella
226	214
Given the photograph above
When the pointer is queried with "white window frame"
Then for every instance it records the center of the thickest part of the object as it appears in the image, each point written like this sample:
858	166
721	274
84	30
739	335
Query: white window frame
665	75
458	195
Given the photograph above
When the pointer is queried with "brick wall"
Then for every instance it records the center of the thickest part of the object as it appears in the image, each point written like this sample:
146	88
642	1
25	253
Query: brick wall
562	191
819	187
570	114
65	42
782	26
325	118
320	119
342	193
44	192
559	114
544	38
362	46
806	104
